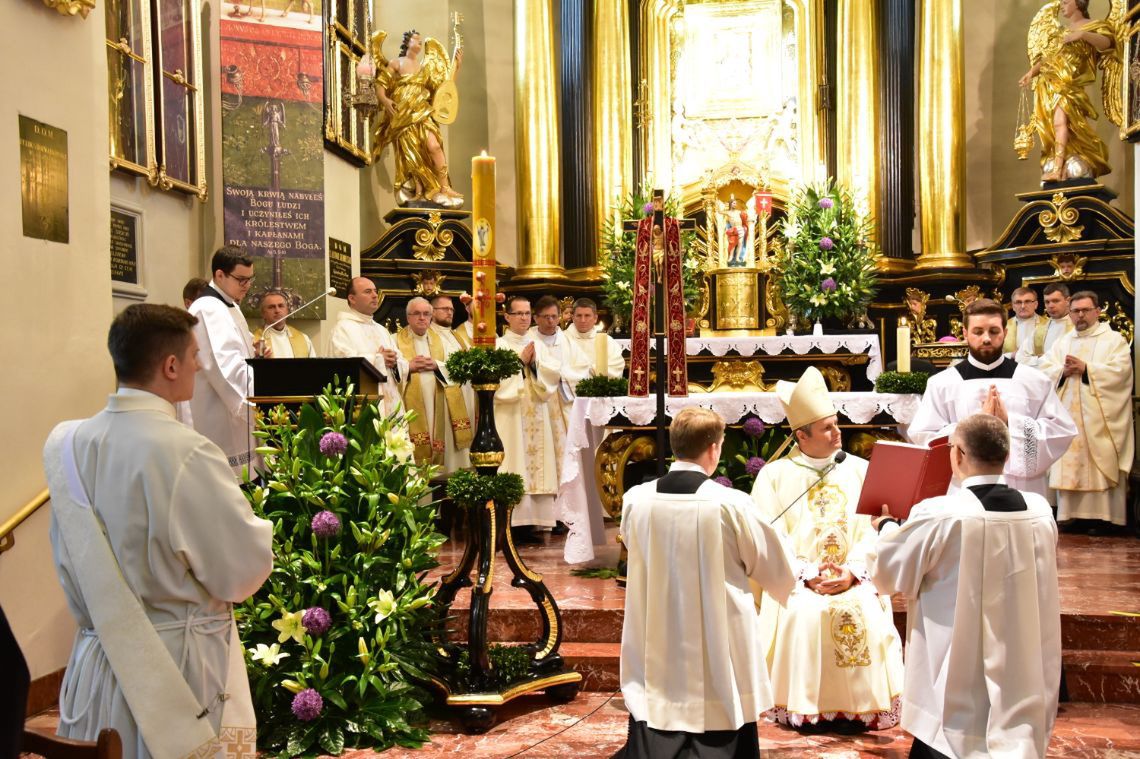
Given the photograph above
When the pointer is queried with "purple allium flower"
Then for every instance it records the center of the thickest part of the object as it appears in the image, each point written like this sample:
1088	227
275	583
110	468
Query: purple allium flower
826	203
754	465
325	524
333	444
316	621
647	208
753	427
307	705
828	285
722	480
826	243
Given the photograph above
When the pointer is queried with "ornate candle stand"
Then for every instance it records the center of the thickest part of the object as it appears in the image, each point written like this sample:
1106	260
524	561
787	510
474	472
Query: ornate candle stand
479	693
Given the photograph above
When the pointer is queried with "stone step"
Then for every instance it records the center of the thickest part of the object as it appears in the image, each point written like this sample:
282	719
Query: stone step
1104	677
598	663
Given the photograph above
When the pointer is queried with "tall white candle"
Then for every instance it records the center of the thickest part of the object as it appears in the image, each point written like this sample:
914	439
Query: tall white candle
903	342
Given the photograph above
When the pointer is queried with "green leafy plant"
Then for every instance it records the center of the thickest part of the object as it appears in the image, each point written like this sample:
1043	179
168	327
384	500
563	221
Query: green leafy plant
470	489
602	387
901	382
340	638
827	263
746	451
510	664
483	366
618	247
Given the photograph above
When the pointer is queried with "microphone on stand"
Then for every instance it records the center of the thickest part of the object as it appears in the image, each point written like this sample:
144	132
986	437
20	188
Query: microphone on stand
839	457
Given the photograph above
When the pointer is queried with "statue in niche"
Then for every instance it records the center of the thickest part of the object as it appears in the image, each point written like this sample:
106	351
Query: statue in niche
1066	48
736	233
925	330
417	97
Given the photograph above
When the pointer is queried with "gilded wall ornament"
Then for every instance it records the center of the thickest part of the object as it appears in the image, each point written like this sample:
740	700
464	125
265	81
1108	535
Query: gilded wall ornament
1059	220
925	330
432	242
71	7
428	283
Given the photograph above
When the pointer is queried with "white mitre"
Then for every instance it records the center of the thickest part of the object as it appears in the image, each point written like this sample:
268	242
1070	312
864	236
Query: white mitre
805	401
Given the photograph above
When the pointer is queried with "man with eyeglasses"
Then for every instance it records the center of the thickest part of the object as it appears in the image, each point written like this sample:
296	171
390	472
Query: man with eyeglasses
1093	368
523	418
1057	309
219	408
1040	428
978	569
1026	327
442	318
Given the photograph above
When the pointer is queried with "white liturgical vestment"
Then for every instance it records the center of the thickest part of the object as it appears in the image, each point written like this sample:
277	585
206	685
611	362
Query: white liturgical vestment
219	407
563	355
828	655
188	546
1040	429
281	342
357	334
983	656
1091	479
597	354
522	417
460	458
692	658
1053	332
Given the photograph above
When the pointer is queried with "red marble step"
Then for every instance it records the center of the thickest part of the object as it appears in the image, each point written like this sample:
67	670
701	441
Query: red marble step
523	624
599	664
1104	677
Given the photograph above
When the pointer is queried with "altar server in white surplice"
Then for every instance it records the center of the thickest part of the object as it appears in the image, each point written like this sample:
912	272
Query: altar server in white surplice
597	355
357	334
219	407
564	354
522	416
833	652
1040	429
153	542
1093	365
978	569
692	660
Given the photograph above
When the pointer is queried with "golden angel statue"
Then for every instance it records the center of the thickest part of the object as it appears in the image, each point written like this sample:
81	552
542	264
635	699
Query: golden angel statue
417	96
1066	48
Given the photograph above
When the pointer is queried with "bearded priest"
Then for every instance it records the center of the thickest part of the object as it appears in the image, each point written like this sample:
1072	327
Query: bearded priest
834	655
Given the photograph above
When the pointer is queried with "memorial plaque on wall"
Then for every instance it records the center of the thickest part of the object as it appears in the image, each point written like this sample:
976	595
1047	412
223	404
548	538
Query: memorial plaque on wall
340	266
43	180
124	246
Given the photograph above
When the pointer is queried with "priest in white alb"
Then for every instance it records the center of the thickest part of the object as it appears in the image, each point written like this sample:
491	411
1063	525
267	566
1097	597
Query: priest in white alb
522	416
1093	365
283	341
357	334
978	570
441	430
597	355
1026	328
1032	353
1040	428
442	317
564	355
153	542
693	673
219	407
834	655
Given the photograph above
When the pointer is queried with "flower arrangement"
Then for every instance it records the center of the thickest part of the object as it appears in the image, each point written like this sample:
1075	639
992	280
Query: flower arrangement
483	366
618	247
341	636
827	263
602	387
469	489
746	451
901	382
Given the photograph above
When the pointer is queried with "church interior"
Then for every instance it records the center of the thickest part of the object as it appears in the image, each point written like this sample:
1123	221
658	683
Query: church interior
764	186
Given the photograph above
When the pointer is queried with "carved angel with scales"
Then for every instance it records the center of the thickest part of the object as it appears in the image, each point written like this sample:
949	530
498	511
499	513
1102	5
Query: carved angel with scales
1066	48
416	97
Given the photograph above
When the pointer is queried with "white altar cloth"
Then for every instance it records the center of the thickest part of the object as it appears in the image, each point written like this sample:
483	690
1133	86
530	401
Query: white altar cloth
574	504
774	345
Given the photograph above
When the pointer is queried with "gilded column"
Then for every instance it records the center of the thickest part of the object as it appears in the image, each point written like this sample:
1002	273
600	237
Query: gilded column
857	123
655	98
612	108
537	145
941	165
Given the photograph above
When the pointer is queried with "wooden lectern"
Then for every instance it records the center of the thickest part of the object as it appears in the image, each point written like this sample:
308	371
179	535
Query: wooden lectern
297	380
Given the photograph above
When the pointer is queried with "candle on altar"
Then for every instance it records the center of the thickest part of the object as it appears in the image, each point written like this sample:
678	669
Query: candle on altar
483	249
902	358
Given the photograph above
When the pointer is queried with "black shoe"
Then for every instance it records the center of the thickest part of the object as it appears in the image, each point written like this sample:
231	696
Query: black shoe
559	529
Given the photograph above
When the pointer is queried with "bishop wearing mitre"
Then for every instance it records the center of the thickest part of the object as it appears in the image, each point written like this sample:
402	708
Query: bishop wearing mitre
441	429
523	418
833	652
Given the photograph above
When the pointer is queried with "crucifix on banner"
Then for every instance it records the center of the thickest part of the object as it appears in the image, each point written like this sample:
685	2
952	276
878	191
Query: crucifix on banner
658	309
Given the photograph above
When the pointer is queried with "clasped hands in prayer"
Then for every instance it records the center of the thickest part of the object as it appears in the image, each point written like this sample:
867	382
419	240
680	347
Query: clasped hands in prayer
526	355
992	404
389	357
422	364
1073	367
832	580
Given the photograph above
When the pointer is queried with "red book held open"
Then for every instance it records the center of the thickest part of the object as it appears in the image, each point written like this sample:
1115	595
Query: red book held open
903	474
